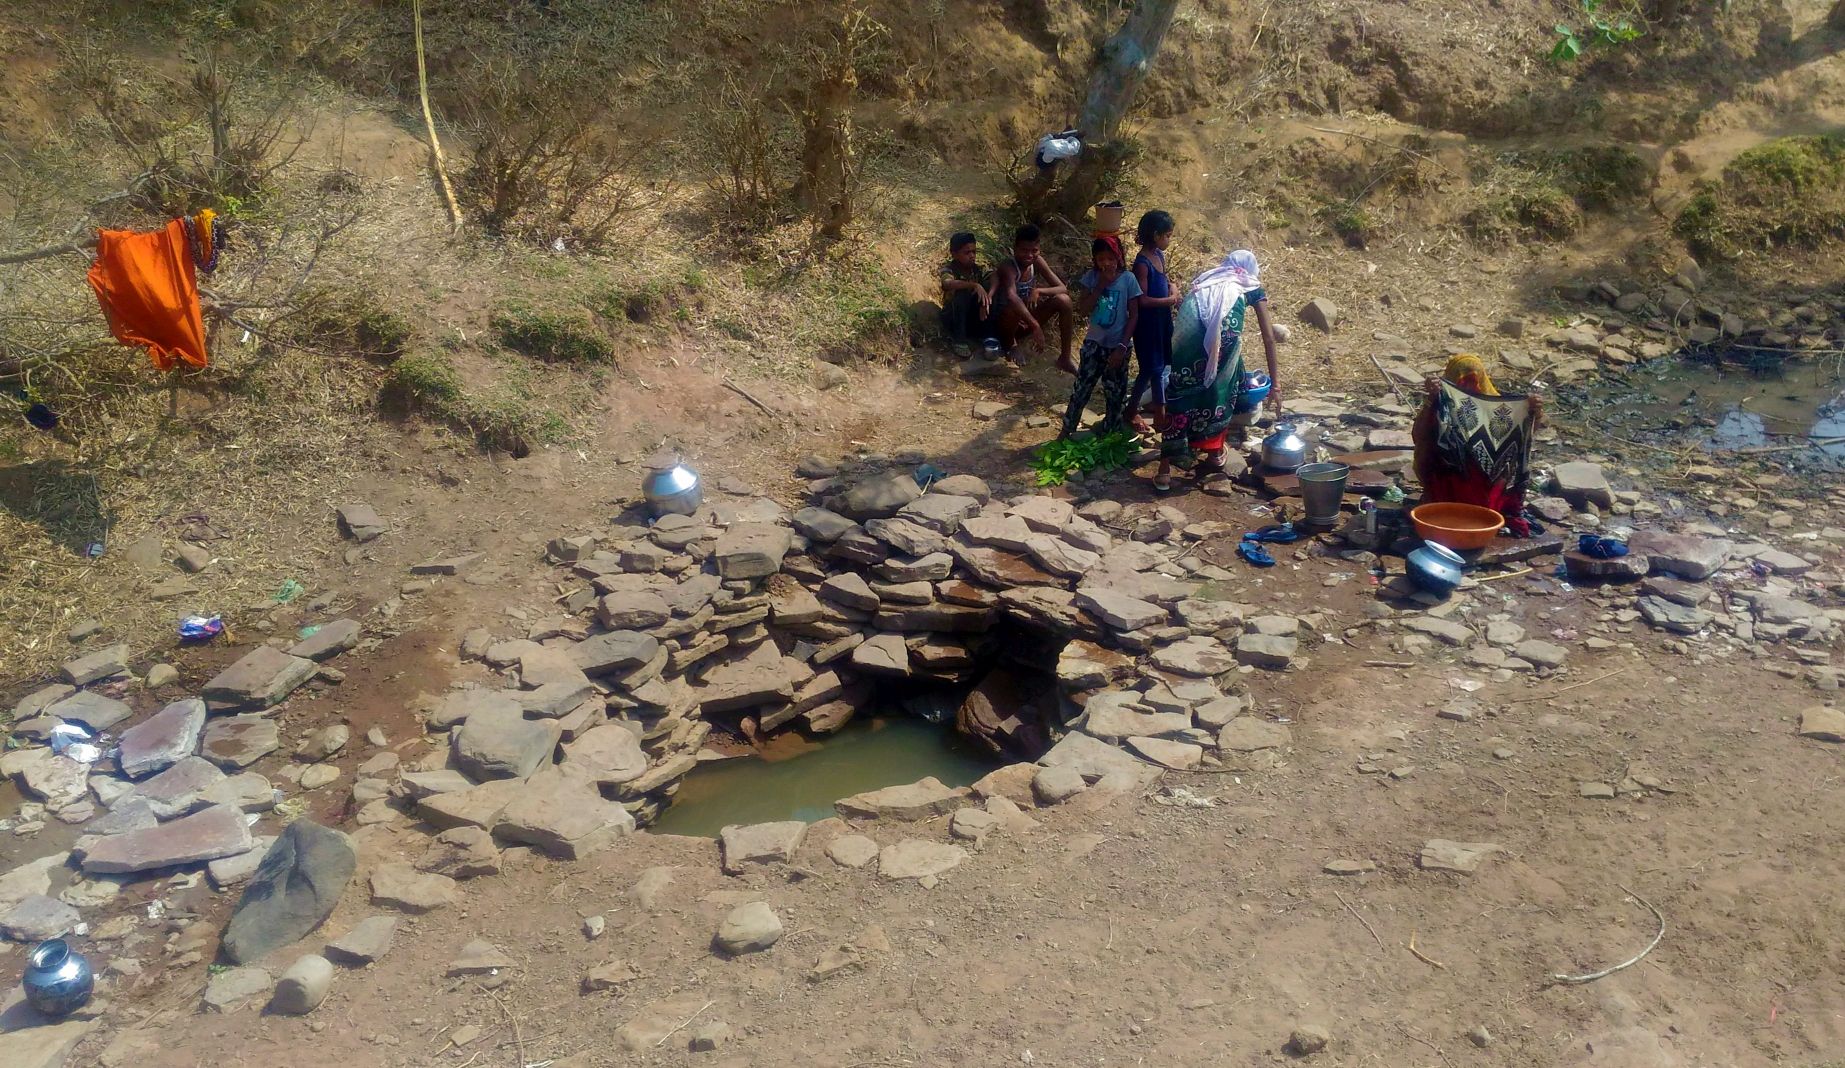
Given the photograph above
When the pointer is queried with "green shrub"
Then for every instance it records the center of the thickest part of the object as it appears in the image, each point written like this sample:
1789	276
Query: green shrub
555	336
1601	177
353	320
423	381
1790	191
1352	223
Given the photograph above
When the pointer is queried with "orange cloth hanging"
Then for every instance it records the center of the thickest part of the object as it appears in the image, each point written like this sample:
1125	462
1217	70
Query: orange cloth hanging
150	293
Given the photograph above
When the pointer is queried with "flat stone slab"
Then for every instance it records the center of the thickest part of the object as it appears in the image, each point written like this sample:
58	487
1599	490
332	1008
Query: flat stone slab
38	700
883	654
216	832
1119	611
108	661
1089	757
163	739
37	918
178	789
1691	558
761	676
616	651
401	886
367	942
455	707
852	850
940	512
1248	734
878	498
1580	482
564	815
1178	756
1823	724
1272	651
1197	656
911	801
504	744
479	806
238	988
1112	717
1439	854
239	741
263	677
53	779
917	858
93	710
329	641
759	843
820	525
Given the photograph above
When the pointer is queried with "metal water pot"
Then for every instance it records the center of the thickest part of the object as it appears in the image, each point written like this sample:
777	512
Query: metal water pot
670	487
58	979
1284	450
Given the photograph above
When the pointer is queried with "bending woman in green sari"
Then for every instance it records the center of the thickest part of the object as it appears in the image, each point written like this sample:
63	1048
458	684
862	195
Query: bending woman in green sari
1207	364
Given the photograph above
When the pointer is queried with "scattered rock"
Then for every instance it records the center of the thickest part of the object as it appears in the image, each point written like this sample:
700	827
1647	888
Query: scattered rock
916	858
261	679
563	814
480	957
1053	785
367	942
402	886
879	498
1249	734
323	743
237	988
1581	482
1694	559
360	521
1348	867
1307	1040
760	843
852	850
303	986
104	663
709	1036
749	928
609	976
36	918
1271	651
910	802
329	641
1823	724
1541	653
93	710
461	853
1439	854
1320	312
162	739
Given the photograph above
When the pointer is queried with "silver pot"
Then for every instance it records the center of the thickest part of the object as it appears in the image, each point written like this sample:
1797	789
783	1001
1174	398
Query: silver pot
1436	568
670	487
1284	450
58	979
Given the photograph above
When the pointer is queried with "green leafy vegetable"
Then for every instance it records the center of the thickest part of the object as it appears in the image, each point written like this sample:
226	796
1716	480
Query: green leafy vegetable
1057	460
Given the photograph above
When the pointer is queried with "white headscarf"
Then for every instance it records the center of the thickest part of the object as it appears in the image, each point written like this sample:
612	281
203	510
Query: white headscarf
1215	293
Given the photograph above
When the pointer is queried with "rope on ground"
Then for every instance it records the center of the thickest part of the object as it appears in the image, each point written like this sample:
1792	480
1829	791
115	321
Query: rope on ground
1359	918
1558	977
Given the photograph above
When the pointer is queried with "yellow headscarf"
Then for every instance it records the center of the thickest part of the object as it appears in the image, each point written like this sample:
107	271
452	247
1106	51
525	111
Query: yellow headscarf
1469	372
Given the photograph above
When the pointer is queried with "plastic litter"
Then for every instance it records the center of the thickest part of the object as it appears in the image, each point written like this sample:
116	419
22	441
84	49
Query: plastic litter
309	632
927	475
73	741
289	591
1056	147
200	628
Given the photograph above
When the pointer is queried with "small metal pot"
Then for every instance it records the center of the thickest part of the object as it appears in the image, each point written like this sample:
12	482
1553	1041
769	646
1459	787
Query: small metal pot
670	487
58	979
1436	568
1284	450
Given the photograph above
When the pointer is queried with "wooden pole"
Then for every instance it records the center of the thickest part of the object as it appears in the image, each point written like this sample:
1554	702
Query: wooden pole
429	119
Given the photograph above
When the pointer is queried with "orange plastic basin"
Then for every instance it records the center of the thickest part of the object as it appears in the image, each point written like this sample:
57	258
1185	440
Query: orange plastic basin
1458	526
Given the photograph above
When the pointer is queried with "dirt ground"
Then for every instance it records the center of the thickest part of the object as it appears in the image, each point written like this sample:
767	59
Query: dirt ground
1127	932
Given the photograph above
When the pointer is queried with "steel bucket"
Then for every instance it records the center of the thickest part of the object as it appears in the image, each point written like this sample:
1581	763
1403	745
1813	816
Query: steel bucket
1322	489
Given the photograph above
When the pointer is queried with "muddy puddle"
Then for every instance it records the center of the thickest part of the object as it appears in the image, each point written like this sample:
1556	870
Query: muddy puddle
1791	413
800	778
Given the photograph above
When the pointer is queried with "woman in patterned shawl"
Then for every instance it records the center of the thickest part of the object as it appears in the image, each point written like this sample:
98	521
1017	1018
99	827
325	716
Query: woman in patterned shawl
1473	444
1207	364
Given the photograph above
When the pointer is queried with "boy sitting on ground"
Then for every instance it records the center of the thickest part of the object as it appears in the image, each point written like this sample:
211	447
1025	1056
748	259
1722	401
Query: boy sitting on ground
1026	291
966	304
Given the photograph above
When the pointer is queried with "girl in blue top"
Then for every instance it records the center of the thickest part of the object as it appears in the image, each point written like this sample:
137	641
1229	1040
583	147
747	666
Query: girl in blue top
1153	330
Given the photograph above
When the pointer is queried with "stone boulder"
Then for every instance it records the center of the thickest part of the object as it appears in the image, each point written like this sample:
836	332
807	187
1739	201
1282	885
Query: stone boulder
503	744
1580	482
749	928
752	550
878	498
294	890
759	843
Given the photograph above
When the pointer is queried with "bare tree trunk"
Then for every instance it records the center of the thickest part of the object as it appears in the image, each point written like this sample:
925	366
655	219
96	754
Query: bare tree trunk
1125	61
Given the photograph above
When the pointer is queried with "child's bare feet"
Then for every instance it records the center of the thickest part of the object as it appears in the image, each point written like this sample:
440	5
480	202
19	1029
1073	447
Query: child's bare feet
1066	365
